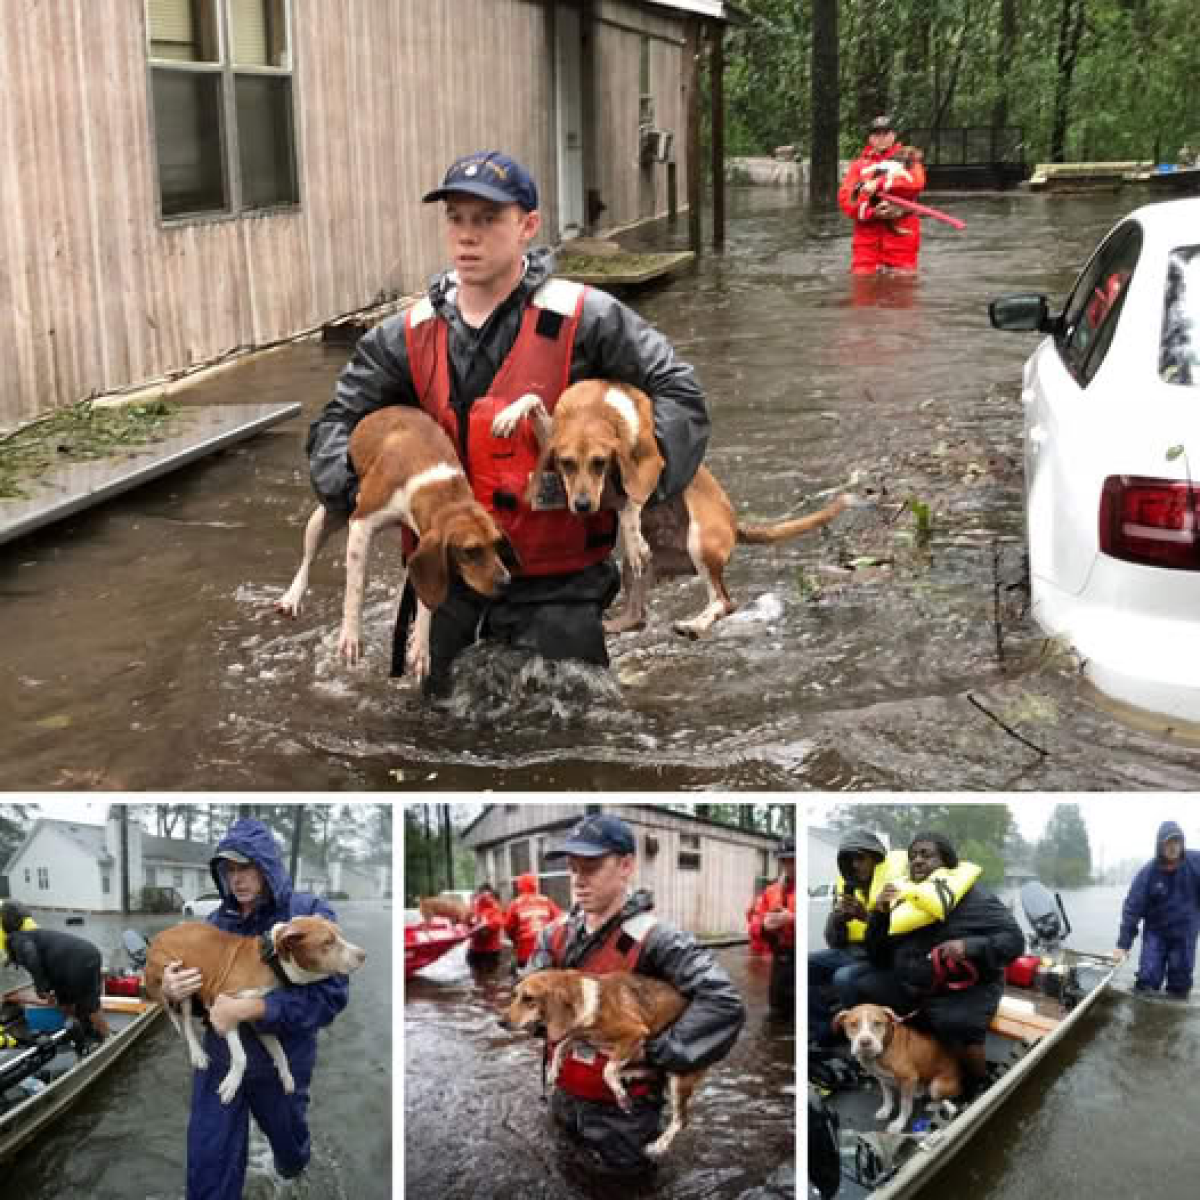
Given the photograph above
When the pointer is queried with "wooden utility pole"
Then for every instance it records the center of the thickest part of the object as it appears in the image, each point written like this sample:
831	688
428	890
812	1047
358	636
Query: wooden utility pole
123	823
448	846
297	836
716	69
824	162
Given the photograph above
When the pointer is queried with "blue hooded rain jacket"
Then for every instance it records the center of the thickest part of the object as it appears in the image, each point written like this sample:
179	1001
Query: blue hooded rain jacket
1163	902
218	1134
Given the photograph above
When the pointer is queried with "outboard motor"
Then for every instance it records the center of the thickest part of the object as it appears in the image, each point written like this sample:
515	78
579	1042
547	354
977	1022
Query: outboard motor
1046	916
136	947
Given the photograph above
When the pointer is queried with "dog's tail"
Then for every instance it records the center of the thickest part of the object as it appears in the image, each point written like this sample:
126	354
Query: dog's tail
783	531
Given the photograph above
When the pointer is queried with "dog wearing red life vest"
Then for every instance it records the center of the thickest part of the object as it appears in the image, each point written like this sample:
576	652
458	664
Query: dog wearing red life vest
615	1014
306	950
409	475
602	435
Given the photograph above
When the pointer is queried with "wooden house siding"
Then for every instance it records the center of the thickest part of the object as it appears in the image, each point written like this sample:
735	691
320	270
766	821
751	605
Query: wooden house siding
99	295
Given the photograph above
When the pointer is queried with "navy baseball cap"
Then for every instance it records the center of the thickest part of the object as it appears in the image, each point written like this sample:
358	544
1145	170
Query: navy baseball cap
491	175
596	835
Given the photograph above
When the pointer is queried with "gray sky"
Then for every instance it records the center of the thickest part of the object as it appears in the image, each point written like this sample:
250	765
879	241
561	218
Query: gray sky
1119	826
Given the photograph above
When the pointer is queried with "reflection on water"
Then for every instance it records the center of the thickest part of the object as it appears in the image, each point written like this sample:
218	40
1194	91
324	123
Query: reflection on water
476	1125
143	649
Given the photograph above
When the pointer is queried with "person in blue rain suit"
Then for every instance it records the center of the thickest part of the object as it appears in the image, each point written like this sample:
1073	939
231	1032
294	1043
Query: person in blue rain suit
256	893
1164	899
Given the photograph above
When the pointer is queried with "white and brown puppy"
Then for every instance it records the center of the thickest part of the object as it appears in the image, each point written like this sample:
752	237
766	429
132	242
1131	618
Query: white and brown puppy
409	474
614	1014
449	908
602	433
900	1057
305	949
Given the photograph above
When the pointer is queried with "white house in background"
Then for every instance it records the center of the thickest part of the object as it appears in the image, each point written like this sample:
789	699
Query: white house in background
822	857
67	864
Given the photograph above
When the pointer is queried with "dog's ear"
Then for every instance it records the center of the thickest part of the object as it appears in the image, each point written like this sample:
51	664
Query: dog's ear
839	1020
559	1012
640	469
429	569
892	1015
287	939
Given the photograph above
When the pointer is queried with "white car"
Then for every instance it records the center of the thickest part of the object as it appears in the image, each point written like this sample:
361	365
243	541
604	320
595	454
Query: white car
199	908
1112	460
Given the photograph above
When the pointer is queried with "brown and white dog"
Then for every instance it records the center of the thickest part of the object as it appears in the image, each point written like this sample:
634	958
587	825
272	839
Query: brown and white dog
449	907
409	474
901	1057
306	949
614	1014
602	433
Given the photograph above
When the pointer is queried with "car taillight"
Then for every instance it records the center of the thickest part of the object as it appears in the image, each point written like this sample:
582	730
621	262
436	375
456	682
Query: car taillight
1151	521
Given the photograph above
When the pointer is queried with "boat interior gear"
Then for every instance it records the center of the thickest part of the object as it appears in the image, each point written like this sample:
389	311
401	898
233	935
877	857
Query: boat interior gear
824	1157
136	947
1046	916
42	1050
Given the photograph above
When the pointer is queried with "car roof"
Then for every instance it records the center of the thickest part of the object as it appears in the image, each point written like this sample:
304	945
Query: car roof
1177	222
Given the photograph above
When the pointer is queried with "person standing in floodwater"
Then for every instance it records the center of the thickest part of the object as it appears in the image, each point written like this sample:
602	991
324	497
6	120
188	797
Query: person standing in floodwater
1164	899
774	921
886	237
609	929
496	327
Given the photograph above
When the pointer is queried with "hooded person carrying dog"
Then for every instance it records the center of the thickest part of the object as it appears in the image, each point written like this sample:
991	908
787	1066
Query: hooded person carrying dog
256	893
608	929
495	327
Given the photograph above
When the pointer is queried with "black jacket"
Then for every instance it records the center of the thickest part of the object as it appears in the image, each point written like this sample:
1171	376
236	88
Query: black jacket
856	841
992	936
712	1021
57	962
612	342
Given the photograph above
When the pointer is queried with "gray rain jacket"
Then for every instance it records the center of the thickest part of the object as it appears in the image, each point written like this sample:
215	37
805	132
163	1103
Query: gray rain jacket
612	342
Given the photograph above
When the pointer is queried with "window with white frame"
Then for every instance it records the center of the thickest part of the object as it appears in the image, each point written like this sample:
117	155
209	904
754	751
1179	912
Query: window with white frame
223	107
43	879
105	882
689	852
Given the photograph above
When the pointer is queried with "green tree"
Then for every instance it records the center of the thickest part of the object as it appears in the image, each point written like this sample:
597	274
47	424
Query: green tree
1064	855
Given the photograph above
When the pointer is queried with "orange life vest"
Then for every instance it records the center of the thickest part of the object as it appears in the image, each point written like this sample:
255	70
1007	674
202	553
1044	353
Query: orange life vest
548	541
582	1074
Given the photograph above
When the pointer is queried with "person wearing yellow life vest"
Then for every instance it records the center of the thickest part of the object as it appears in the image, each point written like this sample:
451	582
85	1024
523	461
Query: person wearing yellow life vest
865	867
496	327
949	969
611	929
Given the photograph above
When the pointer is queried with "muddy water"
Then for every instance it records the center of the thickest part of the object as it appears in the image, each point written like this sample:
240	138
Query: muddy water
475	1126
126	1137
140	649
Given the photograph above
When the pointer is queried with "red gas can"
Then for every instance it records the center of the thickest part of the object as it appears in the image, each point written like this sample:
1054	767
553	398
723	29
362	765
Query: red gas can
122	985
1022	972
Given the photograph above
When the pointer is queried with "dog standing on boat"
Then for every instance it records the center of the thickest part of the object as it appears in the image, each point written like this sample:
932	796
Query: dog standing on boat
900	1057
602	434
409	475
449	908
304	950
615	1014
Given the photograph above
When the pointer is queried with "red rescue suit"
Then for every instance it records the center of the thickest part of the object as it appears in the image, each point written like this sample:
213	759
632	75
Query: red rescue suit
527	916
486	908
779	896
582	1074
547	541
757	944
879	243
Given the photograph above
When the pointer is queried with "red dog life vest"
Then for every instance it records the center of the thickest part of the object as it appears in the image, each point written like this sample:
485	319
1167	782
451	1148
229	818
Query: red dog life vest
582	1074
551	541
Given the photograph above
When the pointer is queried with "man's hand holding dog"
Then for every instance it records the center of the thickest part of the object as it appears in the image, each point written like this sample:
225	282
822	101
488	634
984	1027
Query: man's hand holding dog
180	982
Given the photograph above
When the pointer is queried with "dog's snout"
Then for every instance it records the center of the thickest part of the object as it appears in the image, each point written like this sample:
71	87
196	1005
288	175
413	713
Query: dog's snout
583	504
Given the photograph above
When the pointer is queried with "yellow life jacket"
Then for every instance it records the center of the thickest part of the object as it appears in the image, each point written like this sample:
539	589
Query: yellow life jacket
27	924
933	899
892	870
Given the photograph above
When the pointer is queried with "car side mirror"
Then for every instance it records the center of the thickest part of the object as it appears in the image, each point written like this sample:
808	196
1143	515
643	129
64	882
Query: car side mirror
1022	314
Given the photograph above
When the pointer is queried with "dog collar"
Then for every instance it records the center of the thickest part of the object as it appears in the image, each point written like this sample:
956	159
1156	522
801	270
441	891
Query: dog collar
268	954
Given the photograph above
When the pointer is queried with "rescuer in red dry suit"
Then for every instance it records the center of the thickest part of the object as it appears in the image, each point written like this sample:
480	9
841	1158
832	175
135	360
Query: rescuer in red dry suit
528	914
885	236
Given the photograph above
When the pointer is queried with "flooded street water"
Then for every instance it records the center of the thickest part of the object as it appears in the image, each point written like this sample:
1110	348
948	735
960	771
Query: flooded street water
475	1125
126	1137
1113	1109
141	649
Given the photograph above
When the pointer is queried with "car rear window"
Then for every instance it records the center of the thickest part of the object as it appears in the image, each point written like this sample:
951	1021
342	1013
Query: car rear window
1179	355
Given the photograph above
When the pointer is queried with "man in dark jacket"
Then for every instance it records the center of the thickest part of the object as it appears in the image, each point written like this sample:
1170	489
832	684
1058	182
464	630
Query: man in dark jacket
256	893
952	971
66	970
609	930
490	330
1164	899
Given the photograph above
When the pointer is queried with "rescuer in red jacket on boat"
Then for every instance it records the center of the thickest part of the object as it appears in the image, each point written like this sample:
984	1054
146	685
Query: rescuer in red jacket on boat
886	237
528	914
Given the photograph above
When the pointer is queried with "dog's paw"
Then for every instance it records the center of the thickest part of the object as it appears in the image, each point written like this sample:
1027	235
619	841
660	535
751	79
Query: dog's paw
350	646
897	1126
883	1112
657	1148
416	662
505	422
288	605
199	1060
229	1088
289	1084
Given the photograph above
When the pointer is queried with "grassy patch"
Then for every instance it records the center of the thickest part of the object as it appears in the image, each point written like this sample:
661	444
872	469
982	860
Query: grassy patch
607	264
80	433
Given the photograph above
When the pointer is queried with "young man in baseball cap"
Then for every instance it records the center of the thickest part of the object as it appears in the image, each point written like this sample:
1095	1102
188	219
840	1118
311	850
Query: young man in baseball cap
611	928
496	326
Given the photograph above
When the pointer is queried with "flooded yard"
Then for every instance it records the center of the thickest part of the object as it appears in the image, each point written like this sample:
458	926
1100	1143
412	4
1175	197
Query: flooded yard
142	651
